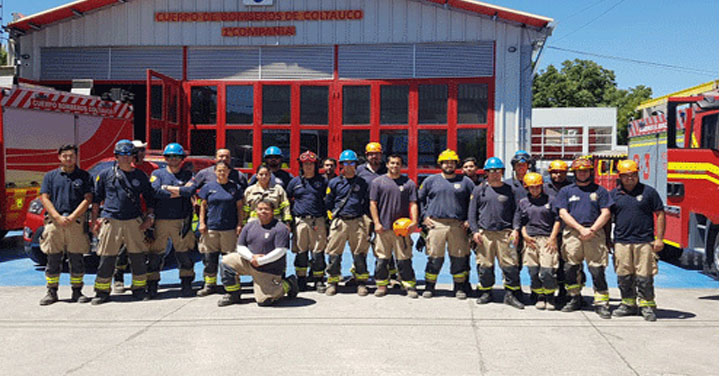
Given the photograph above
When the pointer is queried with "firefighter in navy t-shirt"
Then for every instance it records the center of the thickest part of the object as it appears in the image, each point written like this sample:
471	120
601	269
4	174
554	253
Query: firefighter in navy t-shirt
122	221
444	199
393	197
585	209
221	216
66	193
540	229
307	197
635	241
491	213
558	179
345	203
261	251
173	216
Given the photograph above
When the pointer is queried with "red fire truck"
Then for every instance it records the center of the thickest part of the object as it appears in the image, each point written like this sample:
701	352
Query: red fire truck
677	152
34	122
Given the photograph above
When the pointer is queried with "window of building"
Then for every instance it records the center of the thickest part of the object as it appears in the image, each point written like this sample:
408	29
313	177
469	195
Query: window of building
203	104
156	101
356	105
395	141
239	104
472	143
431	143
239	142
355	140
276	104
314	104
314	140
432	104
472	104
202	142
394	104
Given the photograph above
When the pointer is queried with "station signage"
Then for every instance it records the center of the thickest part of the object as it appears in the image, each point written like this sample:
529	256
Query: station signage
311	15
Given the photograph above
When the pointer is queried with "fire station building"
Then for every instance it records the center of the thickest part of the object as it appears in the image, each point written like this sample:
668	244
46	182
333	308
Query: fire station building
419	76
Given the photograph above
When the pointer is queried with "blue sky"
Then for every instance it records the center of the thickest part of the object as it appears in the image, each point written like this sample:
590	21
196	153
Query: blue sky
670	32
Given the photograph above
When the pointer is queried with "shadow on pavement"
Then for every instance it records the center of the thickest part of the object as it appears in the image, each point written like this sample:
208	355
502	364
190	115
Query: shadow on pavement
672	314
297	302
709	297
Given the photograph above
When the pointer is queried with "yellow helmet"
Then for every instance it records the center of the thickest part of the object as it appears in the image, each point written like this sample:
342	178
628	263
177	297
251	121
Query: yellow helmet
581	164
627	166
401	226
448	155
532	179
373	147
558	165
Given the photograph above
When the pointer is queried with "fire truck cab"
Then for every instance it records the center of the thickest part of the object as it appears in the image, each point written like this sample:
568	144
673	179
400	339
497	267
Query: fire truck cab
677	152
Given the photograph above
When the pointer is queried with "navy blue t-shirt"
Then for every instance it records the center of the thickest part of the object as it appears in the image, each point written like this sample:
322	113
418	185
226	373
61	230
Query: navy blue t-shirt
491	208
633	212
583	203
393	197
222	205
262	240
536	214
552	191
338	188
445	198
368	175
307	196
171	208
66	191
117	204
518	189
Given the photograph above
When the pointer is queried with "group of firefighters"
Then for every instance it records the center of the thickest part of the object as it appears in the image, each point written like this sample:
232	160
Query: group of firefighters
549	227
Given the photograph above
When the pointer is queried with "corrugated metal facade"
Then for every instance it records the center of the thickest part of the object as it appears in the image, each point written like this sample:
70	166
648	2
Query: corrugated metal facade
394	39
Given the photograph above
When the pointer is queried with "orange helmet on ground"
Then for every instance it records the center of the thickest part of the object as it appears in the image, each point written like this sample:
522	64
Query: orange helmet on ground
558	165
627	166
373	147
581	164
532	179
401	226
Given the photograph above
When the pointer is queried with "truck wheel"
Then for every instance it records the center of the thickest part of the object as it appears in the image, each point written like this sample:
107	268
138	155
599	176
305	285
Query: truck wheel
710	266
670	254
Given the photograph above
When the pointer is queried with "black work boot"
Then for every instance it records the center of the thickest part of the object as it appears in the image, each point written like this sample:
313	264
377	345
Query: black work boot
302	283
77	296
485	297
648	313
573	304
100	298
429	290
50	297
186	290
293	287
459	290
207	290
229	299
512	300
603	311
152	290
625	310
139	294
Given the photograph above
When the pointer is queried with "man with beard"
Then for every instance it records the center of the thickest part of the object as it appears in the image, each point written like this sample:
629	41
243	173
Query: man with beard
273	159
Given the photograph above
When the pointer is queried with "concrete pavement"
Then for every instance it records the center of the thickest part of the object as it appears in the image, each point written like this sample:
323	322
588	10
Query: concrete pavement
351	335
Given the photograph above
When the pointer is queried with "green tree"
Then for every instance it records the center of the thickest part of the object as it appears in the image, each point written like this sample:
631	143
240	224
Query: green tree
3	55
585	83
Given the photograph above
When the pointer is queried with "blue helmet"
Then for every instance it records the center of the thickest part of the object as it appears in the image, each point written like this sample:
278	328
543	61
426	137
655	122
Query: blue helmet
348	156
174	149
124	147
272	151
521	156
493	162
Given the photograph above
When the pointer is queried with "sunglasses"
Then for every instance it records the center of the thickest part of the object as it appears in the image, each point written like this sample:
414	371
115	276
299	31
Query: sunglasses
494	170
349	163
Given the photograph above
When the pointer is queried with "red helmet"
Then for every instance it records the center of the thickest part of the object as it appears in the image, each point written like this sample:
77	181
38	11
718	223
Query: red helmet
308	157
